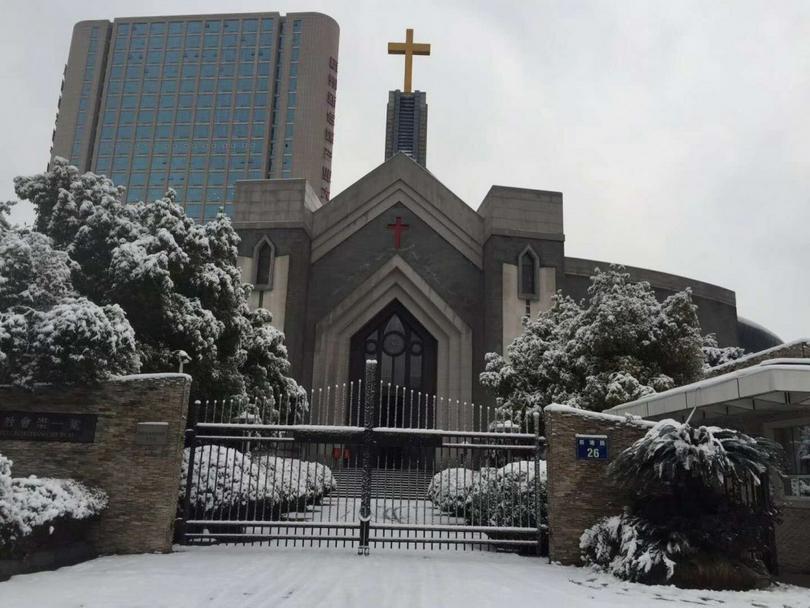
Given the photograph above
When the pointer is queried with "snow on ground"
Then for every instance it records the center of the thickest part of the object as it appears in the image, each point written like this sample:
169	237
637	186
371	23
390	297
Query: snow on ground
261	577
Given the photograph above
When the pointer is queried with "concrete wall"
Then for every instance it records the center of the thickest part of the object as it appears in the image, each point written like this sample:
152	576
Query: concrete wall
70	95
579	491
319	42
140	480
503	250
717	306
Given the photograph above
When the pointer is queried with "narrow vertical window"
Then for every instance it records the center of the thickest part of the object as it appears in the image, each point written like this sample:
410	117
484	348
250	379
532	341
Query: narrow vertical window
528	275
263	257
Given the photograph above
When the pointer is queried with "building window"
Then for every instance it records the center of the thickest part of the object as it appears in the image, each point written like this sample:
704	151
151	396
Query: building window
528	275
263	257
795	440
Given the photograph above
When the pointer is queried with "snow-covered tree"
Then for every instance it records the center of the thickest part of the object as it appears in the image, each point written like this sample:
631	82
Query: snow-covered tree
619	344
48	333
5	210
715	355
176	280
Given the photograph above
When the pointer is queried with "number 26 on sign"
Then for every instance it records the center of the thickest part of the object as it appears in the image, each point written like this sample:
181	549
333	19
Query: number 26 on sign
592	447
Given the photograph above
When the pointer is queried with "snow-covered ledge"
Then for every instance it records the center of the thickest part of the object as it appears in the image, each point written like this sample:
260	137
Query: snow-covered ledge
576	411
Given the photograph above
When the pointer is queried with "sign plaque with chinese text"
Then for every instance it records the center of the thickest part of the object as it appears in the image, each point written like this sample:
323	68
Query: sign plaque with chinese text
48	426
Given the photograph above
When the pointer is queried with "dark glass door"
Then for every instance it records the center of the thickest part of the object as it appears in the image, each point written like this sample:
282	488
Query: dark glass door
406	357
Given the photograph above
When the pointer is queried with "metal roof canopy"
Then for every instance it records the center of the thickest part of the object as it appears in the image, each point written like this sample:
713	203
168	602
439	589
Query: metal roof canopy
776	385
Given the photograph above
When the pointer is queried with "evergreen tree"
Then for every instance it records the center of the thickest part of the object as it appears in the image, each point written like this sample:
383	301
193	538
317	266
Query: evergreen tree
176	280
48	333
617	345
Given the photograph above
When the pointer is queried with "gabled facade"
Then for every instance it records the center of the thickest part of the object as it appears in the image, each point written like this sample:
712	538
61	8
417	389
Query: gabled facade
398	268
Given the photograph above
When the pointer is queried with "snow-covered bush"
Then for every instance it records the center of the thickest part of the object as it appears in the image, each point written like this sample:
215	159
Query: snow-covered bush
298	481
226	480
320	479
633	549
508	496
619	344
29	503
177	282
450	489
676	454
715	355
686	516
47	332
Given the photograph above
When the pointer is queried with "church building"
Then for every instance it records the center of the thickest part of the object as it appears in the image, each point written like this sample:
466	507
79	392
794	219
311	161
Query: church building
398	268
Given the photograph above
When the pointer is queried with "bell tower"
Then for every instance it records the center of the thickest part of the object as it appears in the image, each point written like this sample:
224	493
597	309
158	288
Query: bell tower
406	117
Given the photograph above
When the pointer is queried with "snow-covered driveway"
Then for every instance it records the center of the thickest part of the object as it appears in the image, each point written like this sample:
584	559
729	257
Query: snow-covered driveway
231	577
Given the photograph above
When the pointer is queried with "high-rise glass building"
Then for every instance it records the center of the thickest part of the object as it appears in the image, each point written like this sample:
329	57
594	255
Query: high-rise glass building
198	102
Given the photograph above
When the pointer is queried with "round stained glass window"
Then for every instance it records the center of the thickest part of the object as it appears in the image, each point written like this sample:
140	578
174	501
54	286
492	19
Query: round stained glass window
371	347
394	343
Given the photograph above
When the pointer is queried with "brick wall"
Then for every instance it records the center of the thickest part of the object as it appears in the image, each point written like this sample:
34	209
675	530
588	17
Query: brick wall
793	538
579	492
140	480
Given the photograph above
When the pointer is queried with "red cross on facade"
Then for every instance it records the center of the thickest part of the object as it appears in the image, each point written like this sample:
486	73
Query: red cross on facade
398	227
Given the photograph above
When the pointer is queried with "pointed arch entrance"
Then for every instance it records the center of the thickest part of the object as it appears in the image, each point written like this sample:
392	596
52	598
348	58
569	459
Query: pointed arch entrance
396	280
406	355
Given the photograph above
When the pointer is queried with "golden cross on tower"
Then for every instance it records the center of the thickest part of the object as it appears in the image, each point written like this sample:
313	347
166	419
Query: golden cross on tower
409	48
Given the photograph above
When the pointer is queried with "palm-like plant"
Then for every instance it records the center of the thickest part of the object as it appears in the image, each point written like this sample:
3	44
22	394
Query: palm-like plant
676	455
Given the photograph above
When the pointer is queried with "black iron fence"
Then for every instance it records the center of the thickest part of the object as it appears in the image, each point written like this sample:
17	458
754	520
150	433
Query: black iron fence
363	486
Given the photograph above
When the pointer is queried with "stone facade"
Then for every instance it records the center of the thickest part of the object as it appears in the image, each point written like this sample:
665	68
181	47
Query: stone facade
579	491
337	265
140	480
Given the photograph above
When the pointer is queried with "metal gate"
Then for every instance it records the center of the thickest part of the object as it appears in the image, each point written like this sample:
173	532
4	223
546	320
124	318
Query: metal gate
364	486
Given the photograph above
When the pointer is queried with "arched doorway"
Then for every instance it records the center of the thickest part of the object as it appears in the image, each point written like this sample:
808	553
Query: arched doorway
406	356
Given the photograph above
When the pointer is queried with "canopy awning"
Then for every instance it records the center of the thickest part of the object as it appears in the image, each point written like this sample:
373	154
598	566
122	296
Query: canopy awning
776	385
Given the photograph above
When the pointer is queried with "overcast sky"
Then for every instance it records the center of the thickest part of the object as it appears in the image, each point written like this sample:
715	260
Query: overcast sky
678	132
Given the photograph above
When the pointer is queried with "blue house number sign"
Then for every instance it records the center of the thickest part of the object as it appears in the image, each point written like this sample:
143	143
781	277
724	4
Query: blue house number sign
592	447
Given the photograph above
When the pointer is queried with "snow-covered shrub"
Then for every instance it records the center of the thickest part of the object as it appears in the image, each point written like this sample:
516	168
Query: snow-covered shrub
224	478
228	480
5	490
47	332
715	355
320	479
686	518
619	344
508	496
177	281
298	481
28	503
677	454
633	549
32	273
450	489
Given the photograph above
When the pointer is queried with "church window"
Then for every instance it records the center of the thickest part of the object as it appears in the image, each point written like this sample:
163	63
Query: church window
528	275
263	258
